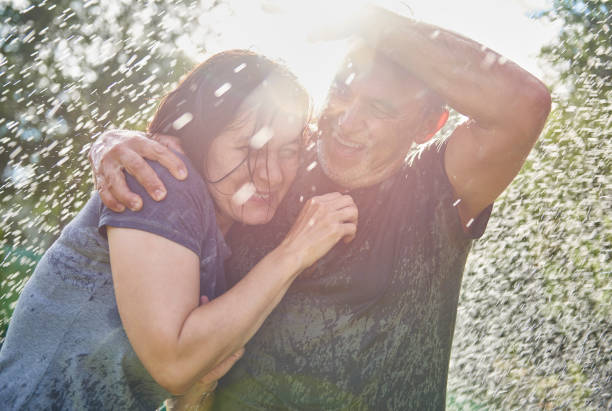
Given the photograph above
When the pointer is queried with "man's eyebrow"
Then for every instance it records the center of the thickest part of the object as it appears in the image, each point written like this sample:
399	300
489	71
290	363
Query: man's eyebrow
385	104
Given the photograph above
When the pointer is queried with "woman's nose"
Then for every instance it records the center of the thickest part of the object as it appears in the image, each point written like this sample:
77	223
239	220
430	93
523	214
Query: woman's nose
268	170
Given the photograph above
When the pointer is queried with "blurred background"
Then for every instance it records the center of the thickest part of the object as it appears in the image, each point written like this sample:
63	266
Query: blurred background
534	327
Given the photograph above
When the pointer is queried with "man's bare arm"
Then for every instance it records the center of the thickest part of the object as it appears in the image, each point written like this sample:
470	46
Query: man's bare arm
507	107
116	150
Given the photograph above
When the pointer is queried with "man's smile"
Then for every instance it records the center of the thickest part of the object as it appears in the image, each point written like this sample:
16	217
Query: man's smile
345	147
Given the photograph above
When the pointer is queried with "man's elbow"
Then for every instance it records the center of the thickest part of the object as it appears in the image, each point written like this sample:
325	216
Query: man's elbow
537	105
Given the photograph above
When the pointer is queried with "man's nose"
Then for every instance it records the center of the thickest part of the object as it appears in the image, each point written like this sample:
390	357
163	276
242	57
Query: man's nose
268	170
351	117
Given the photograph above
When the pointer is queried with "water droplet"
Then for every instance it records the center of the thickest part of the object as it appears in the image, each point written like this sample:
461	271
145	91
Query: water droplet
223	89
261	137
182	121
244	193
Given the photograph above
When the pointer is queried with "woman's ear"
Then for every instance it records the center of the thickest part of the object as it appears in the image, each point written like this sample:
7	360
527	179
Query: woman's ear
433	126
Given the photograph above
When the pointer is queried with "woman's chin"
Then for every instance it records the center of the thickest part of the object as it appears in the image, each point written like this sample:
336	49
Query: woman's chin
257	216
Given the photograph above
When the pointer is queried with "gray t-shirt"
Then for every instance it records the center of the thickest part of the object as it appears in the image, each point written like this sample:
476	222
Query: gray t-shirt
65	347
370	325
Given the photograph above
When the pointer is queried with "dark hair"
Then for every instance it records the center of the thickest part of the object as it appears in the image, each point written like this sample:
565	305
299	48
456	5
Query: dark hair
207	100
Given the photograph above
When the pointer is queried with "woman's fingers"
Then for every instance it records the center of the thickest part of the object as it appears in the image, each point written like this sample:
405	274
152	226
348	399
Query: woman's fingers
323	221
348	214
350	231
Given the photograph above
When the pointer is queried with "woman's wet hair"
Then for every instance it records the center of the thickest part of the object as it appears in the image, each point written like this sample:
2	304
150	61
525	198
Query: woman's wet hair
208	99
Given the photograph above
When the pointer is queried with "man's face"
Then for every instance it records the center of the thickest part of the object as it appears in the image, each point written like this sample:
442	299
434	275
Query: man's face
374	113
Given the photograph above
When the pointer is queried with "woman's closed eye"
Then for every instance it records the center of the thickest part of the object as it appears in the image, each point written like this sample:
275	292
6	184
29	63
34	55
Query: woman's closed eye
243	148
289	152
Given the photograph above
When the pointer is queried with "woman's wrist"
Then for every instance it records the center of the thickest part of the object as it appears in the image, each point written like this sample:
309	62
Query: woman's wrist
288	260
198	398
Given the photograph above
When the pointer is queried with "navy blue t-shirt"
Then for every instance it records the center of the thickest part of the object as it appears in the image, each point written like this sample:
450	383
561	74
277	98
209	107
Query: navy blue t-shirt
369	326
186	216
65	347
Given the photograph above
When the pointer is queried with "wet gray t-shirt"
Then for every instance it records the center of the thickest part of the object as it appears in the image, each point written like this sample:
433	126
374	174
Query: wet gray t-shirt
370	325
65	347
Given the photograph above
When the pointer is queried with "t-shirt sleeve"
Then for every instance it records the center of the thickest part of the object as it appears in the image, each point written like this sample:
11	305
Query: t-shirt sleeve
181	217
433	157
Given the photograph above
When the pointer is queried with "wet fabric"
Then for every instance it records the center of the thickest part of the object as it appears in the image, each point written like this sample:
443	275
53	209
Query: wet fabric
370	325
65	347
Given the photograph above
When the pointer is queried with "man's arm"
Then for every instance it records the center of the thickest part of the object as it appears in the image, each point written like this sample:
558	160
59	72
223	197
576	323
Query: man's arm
116	150
506	106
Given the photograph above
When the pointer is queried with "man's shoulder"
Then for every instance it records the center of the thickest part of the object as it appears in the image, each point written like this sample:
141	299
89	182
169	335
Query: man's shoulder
427	157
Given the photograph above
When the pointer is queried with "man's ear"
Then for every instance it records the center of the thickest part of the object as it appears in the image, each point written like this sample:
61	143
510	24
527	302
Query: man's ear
435	126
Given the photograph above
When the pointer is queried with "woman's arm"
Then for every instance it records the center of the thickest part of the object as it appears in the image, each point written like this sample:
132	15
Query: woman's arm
157	288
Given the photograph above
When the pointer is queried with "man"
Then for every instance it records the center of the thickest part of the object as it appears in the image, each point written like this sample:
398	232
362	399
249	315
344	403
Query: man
370	325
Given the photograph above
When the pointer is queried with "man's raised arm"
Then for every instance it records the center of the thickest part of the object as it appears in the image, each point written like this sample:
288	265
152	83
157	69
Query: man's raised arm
118	150
506	106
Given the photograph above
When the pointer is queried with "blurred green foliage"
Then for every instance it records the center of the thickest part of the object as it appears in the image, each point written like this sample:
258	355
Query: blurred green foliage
535	321
69	70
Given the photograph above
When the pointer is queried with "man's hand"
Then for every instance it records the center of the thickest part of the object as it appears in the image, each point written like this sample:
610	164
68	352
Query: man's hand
334	27
118	150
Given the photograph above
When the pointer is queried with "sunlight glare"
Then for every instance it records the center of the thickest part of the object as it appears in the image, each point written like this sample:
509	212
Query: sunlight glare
281	28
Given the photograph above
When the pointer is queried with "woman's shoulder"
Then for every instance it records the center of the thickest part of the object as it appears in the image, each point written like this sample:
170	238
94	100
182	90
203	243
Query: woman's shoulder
190	192
186	215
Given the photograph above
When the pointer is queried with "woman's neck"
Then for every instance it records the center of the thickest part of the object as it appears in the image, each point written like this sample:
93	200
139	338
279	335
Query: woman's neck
224	222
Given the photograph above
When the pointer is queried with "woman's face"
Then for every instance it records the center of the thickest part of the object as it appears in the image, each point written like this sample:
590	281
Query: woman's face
251	193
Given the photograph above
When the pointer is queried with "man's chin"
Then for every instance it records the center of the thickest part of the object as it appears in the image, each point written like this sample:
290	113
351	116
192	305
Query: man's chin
351	178
345	178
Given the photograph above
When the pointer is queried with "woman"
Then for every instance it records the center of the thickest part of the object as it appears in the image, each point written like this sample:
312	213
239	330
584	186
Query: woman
112	317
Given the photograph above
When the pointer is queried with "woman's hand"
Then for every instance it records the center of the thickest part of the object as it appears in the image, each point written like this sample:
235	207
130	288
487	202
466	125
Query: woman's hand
117	150
200	396
323	221
157	285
